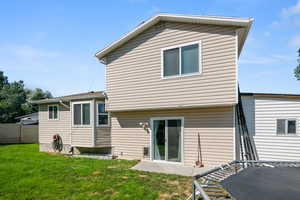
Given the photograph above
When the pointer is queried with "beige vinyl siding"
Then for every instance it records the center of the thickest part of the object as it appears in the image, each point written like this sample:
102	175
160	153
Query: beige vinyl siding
103	136
215	126
61	126
79	136
82	136
133	71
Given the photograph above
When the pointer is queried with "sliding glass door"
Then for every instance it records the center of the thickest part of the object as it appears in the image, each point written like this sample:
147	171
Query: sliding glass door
166	139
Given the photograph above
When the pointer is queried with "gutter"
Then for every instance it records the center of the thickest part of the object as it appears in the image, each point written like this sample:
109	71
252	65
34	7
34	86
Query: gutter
66	99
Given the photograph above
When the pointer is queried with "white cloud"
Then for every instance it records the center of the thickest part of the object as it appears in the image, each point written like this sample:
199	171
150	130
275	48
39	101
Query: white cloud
290	11
295	41
27	58
27	52
257	60
272	59
289	16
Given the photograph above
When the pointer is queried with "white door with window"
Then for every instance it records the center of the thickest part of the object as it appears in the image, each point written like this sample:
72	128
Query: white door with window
167	139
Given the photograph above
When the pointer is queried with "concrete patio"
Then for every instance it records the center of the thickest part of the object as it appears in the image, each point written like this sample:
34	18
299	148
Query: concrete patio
169	168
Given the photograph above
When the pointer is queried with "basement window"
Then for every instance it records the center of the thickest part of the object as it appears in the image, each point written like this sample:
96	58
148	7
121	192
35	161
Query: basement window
53	112
286	127
181	60
102	115
81	113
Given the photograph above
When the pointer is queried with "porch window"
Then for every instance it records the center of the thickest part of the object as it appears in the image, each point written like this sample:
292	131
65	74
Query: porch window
102	115
286	127
181	60
81	114
53	112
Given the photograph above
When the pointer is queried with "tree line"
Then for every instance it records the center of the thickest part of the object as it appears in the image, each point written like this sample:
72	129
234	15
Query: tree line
15	99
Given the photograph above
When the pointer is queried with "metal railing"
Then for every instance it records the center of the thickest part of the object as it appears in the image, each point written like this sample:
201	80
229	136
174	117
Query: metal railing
210	178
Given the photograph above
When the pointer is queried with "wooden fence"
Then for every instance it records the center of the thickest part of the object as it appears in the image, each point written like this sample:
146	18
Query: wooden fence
17	133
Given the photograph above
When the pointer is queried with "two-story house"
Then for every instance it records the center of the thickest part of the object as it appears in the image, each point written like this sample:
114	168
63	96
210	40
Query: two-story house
172	78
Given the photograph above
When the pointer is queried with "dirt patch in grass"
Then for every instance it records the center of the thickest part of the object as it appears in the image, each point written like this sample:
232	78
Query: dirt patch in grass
143	175
173	182
164	196
96	172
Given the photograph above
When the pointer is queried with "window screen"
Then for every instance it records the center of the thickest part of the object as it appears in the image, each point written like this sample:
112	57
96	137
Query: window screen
171	62
291	127
103	119
50	112
53	112
280	126
86	114
102	114
181	60
77	114
101	107
190	59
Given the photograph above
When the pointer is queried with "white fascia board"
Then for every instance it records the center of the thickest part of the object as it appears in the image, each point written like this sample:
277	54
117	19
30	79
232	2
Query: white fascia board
227	21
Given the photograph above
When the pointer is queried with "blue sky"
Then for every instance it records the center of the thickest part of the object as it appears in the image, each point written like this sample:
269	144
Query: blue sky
51	44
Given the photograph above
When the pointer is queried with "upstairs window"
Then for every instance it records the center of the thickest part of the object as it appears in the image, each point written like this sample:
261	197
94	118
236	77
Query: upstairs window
102	115
181	60
286	127
81	114
53	112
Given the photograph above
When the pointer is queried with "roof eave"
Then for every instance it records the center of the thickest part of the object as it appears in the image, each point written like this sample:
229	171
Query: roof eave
279	95
228	21
66	99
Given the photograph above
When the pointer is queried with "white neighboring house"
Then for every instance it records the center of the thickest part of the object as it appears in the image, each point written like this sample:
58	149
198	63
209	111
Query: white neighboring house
30	119
273	119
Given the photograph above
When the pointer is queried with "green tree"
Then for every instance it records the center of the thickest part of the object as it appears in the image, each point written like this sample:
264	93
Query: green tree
38	94
12	97
32	95
297	69
3	80
15	99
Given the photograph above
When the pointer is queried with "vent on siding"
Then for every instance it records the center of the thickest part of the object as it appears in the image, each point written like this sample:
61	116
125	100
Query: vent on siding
146	151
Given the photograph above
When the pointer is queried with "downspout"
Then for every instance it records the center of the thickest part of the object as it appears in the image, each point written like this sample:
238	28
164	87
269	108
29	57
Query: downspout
93	122
63	104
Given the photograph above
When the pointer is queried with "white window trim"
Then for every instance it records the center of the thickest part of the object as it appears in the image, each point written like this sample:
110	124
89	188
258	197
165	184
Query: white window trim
180	67
81	125
286	127
182	139
97	115
56	105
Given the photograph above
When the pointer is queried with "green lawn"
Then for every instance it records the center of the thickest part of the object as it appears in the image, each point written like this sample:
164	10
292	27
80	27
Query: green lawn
27	174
